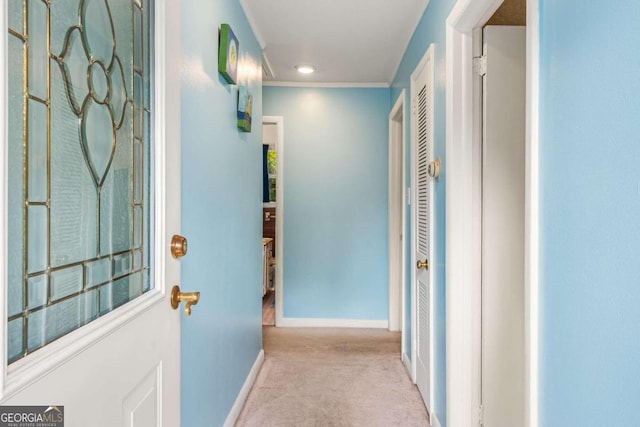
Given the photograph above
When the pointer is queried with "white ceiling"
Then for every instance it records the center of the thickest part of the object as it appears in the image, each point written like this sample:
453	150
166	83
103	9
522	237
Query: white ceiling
348	41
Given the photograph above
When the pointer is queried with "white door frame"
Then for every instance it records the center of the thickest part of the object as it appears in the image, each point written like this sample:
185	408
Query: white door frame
42	363
462	235
397	214
278	121
429	55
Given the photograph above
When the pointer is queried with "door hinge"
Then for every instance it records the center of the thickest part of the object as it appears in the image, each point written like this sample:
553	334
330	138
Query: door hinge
481	415
480	65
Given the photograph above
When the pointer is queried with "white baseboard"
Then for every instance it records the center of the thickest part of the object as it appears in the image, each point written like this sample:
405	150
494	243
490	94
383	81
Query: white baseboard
407	364
234	413
434	421
297	322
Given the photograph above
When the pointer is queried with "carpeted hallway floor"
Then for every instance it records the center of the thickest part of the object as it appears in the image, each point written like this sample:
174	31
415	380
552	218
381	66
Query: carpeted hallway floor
332	377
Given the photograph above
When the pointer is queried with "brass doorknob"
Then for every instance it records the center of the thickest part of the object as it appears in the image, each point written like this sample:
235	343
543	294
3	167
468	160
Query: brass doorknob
190	298
178	246
422	264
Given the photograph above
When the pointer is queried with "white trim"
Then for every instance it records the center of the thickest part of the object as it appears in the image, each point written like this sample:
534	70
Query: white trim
36	365
433	258
460	400
435	422
405	208
462	299
397	165
165	192
326	85
234	413
299	322
279	122
412	198
252	23
4	156
475	292
532	217
463	308
407	365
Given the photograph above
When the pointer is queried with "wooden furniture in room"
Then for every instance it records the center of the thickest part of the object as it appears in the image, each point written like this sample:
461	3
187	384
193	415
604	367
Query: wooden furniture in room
267	254
269	224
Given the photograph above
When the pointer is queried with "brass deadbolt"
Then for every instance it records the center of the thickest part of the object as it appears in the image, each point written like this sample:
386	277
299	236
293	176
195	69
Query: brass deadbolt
422	264
178	246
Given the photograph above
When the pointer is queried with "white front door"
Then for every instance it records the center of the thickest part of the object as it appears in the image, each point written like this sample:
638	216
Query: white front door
422	154
503	212
90	201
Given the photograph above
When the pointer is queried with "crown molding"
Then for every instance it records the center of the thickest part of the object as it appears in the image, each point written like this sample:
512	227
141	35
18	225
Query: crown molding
326	85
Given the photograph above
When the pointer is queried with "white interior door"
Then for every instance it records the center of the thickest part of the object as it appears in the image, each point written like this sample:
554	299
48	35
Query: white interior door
503	227
422	154
90	200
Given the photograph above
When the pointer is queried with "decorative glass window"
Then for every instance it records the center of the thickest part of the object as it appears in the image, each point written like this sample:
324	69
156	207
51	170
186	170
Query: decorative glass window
80	209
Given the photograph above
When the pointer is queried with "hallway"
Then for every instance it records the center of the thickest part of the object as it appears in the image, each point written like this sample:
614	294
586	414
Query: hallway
332	377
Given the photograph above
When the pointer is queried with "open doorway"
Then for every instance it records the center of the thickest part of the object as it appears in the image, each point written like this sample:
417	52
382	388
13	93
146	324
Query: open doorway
492	213
501	80
272	220
269	215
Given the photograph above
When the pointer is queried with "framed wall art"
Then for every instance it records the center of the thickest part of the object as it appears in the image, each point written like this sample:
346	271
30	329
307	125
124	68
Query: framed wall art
244	109
228	54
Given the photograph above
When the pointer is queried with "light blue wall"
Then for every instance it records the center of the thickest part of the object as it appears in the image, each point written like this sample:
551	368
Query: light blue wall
221	216
590	213
335	201
431	29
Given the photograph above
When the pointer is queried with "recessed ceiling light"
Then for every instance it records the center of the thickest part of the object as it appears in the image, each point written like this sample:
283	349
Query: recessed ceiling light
305	69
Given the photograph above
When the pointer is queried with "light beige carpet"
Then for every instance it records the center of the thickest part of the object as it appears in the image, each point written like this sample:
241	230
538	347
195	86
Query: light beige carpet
332	377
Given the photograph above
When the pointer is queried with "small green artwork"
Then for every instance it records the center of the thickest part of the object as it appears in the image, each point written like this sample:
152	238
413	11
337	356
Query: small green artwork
228	54
244	109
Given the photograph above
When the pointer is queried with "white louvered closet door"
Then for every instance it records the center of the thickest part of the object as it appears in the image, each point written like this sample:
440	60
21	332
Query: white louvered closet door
422	96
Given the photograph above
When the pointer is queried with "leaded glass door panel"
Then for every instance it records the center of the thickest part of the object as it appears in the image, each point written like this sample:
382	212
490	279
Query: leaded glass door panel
79	165
86	265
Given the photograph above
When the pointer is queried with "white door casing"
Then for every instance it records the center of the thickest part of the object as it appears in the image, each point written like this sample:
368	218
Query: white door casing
463	284
396	214
503	226
422	122
124	367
